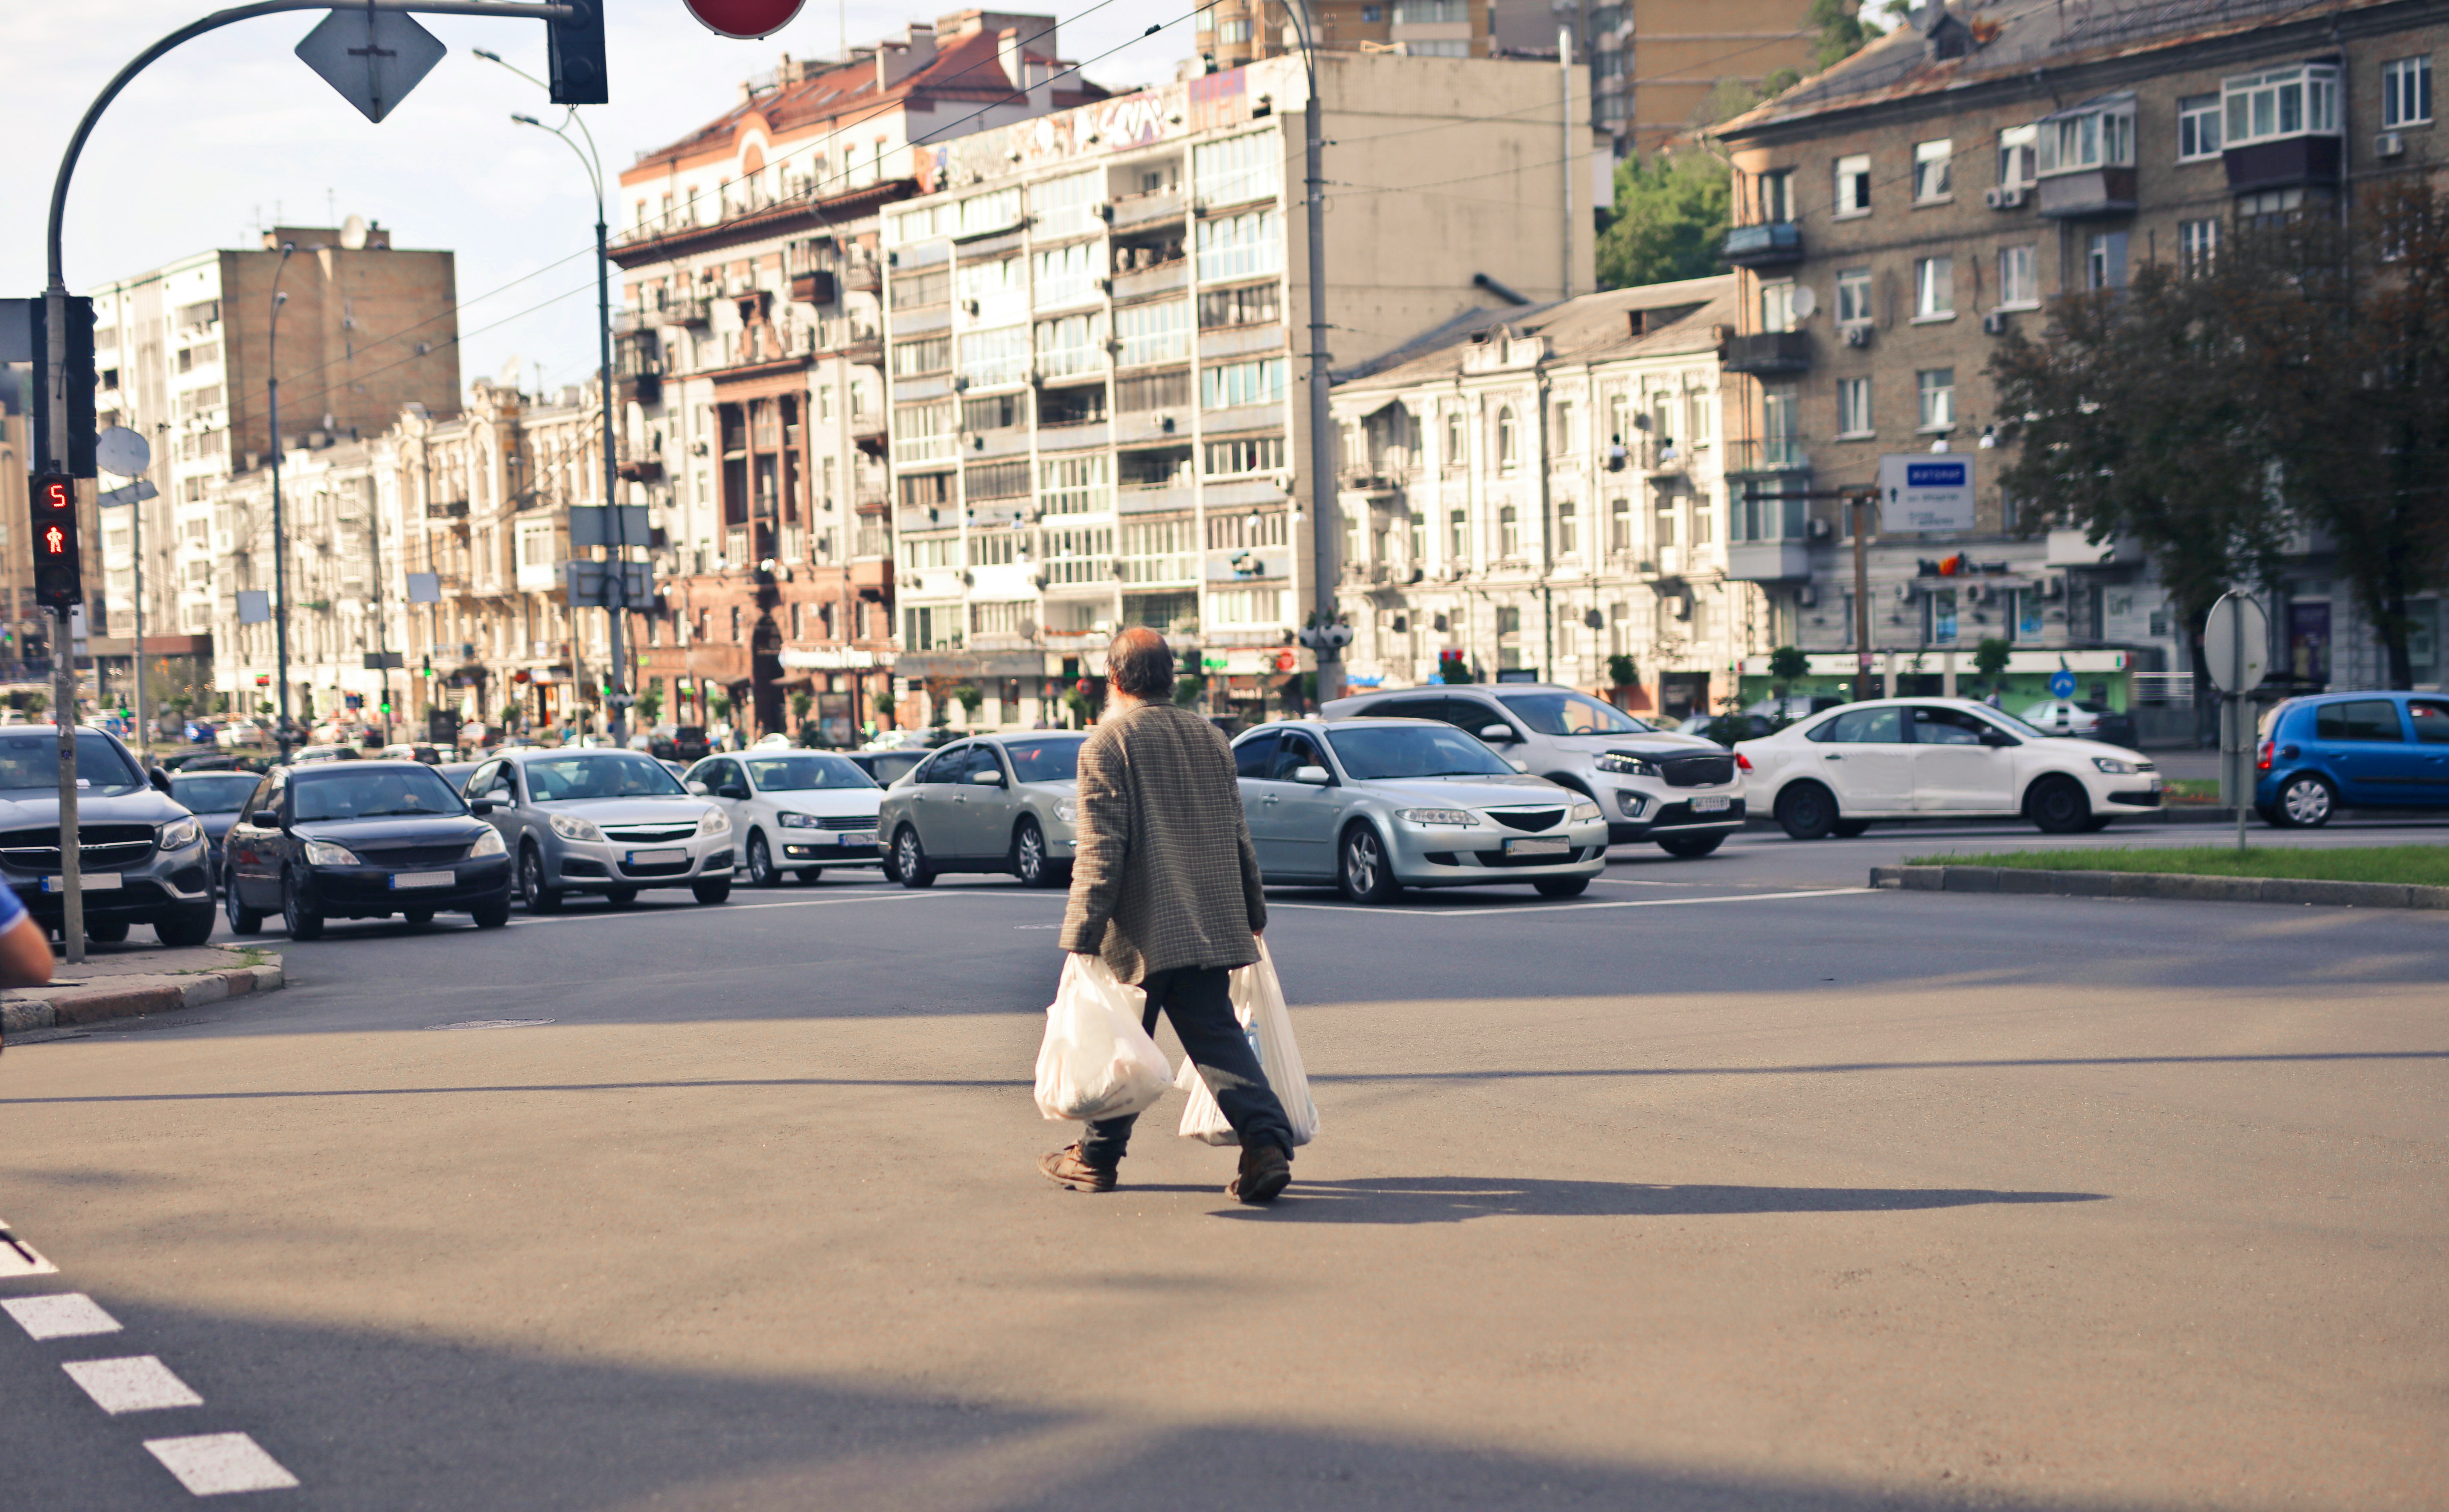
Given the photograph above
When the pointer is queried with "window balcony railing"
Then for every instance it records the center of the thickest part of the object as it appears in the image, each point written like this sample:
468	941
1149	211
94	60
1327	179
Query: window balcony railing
1773	455
1768	244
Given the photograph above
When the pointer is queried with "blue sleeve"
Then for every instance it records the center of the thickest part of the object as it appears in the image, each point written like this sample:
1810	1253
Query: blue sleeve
11	907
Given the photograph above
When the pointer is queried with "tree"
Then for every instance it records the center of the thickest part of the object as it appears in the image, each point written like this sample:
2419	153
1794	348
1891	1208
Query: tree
1786	664
884	704
1990	659
650	704
1670	219
719	705
801	702
1623	672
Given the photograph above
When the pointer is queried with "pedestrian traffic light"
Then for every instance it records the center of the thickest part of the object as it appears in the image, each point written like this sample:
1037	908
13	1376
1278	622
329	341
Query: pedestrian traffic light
73	452
59	580
575	50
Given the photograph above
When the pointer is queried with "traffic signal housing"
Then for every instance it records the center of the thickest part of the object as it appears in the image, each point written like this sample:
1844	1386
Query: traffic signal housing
74	451
59	576
574	48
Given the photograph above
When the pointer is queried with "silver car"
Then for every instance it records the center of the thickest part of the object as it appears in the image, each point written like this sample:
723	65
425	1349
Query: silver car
1680	791
610	822
997	803
1376	806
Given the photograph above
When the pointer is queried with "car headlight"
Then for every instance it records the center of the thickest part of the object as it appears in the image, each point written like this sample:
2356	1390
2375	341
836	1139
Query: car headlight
1623	765
324	854
180	833
2113	766
1067	811
1586	810
1462	818
571	827
715	822
489	843
798	821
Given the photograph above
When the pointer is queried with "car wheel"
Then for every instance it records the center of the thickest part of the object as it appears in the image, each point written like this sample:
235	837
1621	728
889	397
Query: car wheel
106	931
1850	829
1690	847
1562	886
300	917
490	915
1808	810
2097	823
761	862
532	891
1365	875
186	928
1029	861
242	920
910	866
712	890
808	875
2058	806
620	898
416	918
2308	800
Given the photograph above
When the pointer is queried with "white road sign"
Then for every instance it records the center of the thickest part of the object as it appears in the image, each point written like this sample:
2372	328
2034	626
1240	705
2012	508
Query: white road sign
373	57
2236	643
1926	490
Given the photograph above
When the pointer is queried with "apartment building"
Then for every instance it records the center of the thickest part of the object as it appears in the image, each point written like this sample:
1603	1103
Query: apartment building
1898	213
751	357
1541	492
1097	412
1236	32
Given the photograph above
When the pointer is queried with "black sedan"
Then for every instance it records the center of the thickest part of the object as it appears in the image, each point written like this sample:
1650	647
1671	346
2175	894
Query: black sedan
216	798
362	840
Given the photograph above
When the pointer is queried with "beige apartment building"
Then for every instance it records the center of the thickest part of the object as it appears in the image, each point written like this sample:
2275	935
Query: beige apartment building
1901	212
1235	32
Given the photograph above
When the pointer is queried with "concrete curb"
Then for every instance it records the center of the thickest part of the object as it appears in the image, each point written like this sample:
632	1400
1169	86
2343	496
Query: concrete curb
2159	885
96	1004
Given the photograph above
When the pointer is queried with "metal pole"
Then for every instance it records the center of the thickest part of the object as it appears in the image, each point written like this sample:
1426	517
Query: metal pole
1324	505
1565	59
1861	596
280	540
136	662
381	604
615	721
2236	722
64	686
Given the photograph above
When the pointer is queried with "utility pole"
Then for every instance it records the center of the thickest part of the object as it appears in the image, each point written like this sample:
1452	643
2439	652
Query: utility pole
1323	634
1565	59
1860	499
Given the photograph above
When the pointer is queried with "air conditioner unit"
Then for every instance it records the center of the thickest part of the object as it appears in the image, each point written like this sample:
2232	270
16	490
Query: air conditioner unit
1857	336
2389	144
970	306
1807	596
1995	322
2005	197
1102	210
1815	531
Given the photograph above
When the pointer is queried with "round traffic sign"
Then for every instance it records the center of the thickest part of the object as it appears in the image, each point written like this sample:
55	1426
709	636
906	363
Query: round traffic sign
121	451
745	19
2236	643
2062	684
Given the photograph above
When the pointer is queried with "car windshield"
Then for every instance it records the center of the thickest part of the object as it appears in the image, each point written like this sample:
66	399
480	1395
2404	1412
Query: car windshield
213	792
1372	752
31	760
798	774
384	792
1571	714
600	774
1045	760
2015	725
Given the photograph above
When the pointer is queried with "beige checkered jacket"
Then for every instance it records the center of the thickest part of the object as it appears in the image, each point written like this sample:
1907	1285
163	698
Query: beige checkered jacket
1164	875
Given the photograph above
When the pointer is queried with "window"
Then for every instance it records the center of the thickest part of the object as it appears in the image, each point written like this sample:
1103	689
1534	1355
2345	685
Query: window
926	490
1239	246
1934	288
2301	101
1234	33
993	291
1153	333
1245	454
1458	432
1935	388
1569	528
2363	719
1509	534
1254	304
2104	261
2406	92
1247	605
1619	524
1506	455
1060	207
1241	168
1431	12
931	551
1854	185
1932	179
2431	720
994	357
2020	286
1563	441
930	355
2016	145
987	212
1853	296
1240	533
1663	524
1777	306
1777	195
1259	382
1152	390
1457	537
2197	243
923	432
2269	207
1074	485
1069	345
1853	406
1080	556
1161	552
2198	128
921	288
1066	274
995	412
996	480
2098	134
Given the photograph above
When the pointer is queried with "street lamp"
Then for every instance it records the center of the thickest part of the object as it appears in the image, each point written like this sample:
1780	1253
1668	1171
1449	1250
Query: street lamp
616	579
279	537
1325	507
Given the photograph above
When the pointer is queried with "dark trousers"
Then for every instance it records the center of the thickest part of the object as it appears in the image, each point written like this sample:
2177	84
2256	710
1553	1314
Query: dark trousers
1199	1001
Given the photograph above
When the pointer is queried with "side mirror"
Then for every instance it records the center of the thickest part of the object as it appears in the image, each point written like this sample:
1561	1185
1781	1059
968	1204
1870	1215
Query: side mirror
699	788
1315	777
1499	733
1523	767
159	780
986	780
265	818
732	790
481	807
1995	738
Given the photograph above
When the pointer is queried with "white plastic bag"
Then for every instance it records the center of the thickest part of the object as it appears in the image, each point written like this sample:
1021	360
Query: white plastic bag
1259	1003
1097	1061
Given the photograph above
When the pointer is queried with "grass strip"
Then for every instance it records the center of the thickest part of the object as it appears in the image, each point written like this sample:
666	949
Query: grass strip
2420	865
2194	790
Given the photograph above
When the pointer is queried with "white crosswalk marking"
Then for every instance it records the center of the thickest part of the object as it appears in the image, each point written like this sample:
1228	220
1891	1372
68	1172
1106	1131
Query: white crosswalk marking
140	1382
218	1463
69	1315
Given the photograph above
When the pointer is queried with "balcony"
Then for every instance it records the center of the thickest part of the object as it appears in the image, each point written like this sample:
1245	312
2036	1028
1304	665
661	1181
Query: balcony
863	275
872	575
1147	209
1164	277
1768	560
1771	245
816	286
2284	164
1767	354
2086	193
1147	498
696	313
1775	454
447	509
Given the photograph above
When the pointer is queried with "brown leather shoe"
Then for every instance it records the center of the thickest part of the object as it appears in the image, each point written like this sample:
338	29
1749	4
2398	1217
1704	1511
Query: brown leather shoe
1267	1169
1066	1169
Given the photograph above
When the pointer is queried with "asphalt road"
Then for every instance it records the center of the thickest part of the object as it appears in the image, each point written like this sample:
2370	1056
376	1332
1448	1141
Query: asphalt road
1730	1185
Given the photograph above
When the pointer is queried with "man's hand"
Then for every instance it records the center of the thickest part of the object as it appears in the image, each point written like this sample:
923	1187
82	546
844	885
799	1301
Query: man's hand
25	954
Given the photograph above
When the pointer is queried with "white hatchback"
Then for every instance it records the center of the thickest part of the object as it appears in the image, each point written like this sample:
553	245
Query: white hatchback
1891	758
793	811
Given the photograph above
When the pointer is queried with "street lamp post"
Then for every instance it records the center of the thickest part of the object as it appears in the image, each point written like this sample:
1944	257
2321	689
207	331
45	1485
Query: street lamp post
1325	507
280	532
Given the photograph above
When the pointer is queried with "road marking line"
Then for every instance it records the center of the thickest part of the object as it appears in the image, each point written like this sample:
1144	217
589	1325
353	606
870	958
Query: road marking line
633	916
491	1023
218	1464
140	1382
1575	908
17	1257
68	1316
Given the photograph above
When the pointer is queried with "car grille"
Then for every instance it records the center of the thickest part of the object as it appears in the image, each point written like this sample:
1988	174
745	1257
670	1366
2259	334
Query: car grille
650	832
662	869
1696	771
412	855
848	821
1527	818
1500	861
100	846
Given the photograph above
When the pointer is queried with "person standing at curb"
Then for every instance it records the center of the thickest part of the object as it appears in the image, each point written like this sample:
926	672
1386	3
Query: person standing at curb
25	948
1166	889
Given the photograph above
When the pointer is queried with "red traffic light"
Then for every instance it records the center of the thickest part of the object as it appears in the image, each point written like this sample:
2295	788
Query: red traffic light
59	578
745	19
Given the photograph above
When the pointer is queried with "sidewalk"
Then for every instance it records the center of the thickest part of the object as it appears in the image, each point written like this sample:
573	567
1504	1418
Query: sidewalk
122	981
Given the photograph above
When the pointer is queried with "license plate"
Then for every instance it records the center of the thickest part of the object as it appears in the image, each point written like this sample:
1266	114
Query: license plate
858	837
93	881
422	879
1711	805
1538	848
2155	784
657	858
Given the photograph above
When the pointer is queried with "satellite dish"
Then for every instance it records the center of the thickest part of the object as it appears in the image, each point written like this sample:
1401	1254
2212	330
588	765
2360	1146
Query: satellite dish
353	235
122	453
509	376
1804	300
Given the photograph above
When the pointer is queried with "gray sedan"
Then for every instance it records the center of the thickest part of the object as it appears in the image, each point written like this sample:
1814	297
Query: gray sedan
1375	806
602	821
998	803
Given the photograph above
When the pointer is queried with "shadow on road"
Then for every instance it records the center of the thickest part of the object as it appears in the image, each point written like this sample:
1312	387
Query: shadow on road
1458	1199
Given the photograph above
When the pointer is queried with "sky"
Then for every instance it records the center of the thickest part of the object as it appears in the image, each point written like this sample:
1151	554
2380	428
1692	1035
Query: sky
210	143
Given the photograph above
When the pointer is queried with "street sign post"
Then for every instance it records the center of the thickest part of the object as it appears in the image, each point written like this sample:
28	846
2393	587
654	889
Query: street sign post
1926	490
2236	651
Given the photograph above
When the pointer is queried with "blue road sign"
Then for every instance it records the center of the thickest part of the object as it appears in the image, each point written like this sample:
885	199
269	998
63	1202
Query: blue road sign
2062	684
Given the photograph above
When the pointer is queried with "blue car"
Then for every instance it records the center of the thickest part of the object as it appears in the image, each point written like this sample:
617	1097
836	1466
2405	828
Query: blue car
2352	751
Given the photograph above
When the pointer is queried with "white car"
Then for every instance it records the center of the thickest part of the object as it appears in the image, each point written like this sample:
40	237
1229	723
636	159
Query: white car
2061	716
1838	771
793	811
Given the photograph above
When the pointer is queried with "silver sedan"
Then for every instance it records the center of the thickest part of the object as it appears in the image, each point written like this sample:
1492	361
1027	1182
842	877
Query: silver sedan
1376	806
603	821
998	803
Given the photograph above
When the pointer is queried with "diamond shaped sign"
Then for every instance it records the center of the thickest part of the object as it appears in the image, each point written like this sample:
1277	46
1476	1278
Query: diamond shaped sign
373	57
